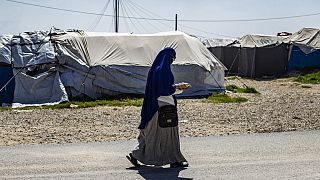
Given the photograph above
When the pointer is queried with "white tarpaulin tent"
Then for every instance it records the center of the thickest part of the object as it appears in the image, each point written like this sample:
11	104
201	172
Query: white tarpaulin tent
50	66
112	63
215	42
255	40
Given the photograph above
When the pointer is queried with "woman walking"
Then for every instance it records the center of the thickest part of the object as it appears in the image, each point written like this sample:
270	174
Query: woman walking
159	145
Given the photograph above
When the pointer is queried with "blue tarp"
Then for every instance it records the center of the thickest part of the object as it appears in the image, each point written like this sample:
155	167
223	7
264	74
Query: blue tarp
6	95
300	60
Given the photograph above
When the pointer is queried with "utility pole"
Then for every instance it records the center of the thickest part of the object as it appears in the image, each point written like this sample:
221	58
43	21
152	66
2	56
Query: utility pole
116	15
176	27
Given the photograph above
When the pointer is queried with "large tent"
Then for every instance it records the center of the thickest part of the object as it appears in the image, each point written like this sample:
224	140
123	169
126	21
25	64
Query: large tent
254	56
305	50
226	51
51	67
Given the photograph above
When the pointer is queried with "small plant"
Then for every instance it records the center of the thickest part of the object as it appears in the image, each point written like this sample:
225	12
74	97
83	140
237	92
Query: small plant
223	98
232	88
5	108
312	78
248	90
237	89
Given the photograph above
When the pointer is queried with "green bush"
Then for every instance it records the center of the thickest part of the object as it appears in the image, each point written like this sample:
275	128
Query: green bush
232	87
224	98
237	89
312	78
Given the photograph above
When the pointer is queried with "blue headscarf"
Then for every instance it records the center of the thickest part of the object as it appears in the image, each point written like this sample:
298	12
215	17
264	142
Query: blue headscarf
159	83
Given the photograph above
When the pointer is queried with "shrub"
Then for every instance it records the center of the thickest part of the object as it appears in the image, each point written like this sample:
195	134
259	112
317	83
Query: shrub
312	78
224	98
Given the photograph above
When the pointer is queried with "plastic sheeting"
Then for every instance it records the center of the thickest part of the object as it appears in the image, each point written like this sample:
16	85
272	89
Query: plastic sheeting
211	42
300	60
259	41
29	49
102	64
305	50
45	88
51	67
249	41
307	39
136	50
254	56
5	50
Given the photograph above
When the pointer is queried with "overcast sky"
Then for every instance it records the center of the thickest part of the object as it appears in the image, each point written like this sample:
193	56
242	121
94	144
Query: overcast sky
235	17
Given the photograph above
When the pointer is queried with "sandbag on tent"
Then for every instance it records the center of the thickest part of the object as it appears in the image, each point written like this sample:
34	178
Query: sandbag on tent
305	50
103	64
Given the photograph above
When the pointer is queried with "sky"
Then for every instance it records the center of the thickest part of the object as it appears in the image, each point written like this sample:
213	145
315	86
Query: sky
203	18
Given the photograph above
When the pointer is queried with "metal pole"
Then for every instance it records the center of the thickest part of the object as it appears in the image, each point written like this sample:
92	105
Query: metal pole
116	9
176	27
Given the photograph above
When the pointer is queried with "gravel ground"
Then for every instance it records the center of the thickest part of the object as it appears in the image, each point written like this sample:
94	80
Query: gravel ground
282	106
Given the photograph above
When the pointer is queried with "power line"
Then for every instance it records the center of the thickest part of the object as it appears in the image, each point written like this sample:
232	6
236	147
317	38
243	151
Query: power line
137	13
96	22
250	20
147	12
82	12
60	9
138	22
196	29
134	26
154	14
123	12
171	20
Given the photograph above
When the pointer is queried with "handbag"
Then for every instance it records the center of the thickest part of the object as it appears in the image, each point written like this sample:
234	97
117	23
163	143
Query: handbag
167	116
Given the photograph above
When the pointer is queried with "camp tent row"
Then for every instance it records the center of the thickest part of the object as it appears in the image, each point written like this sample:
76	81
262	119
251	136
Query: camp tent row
253	56
52	67
260	55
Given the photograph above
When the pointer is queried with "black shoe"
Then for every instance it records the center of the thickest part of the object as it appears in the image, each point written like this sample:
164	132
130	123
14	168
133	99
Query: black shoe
179	164
133	160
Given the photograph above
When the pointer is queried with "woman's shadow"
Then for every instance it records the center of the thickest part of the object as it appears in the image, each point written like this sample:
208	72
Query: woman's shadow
150	172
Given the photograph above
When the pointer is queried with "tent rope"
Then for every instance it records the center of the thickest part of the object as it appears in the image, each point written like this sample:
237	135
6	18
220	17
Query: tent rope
220	88
83	82
238	53
234	61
